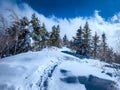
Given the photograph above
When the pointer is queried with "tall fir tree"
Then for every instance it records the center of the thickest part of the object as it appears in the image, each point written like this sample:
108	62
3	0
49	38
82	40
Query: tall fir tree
78	41
18	32
23	44
55	39
87	39
65	41
110	57
95	45
53	36
13	32
44	35
37	32
104	46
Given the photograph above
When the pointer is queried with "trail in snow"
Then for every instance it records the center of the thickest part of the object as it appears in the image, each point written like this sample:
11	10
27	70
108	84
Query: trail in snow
47	74
49	70
44	78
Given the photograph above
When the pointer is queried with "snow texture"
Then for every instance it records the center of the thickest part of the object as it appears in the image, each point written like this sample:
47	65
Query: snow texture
47	69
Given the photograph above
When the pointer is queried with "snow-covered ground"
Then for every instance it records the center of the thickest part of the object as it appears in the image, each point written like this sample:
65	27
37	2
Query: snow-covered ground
48	69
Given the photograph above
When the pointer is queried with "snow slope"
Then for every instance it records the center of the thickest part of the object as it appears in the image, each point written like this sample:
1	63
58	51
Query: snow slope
42	70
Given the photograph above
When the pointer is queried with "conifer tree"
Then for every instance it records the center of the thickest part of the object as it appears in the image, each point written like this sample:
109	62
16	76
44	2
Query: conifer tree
37	33
58	39
44	35
87	39
104	46
23	44
65	40
95	45
13	32
110	57
18	32
78	41
55	36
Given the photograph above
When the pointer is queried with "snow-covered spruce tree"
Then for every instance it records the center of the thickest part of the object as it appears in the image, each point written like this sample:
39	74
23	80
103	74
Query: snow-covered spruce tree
65	40
103	47
23	44
36	34
45	36
17	36
95	46
87	40
58	38
78	41
55	39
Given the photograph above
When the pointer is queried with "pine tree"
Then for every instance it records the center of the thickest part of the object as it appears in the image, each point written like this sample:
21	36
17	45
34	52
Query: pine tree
13	32
53	36
87	40
23	44
78	41
58	39
55	39
17	36
65	40
95	45
45	36
110	57
37	33
104	46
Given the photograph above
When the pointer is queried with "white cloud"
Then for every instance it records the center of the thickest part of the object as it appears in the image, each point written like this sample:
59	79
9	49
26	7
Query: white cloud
116	18
69	26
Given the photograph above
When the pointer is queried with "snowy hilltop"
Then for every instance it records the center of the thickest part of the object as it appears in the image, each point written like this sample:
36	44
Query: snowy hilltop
51	69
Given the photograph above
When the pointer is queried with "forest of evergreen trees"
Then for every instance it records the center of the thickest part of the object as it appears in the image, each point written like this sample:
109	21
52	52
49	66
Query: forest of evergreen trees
92	46
30	35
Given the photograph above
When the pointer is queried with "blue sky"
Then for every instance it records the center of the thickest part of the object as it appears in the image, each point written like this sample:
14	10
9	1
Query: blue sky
74	8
